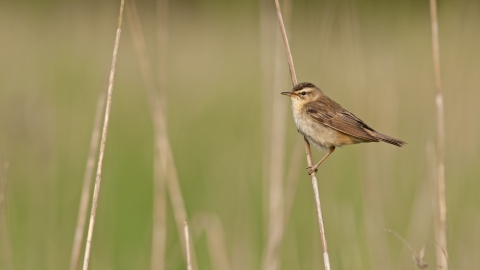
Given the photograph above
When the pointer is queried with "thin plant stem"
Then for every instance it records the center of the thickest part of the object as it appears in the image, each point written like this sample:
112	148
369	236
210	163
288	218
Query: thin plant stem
325	31
3	189
417	257
187	245
440	252
442	205
160	128
211	224
87	183
162	49
287	46
176	198
8	264
103	141
292	179
418	216
280	196
266	30
326	258
446	256
401	240
159	233
374	217
271	260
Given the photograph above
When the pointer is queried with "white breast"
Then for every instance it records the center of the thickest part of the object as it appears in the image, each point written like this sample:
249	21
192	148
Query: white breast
322	137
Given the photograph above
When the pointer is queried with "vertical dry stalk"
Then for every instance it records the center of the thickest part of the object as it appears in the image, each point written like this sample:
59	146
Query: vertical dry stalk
325	30
292	179
160	128
440	253
442	205
98	179
326	259
3	187
287	46
160	196
176	197
162	49
374	221
211	224
187	245
159	234
420	214
267	25
3	221
271	260
87	183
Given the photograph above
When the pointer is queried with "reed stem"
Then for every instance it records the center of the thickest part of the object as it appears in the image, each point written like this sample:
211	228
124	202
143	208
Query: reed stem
103	141
326	258
441	233
87	183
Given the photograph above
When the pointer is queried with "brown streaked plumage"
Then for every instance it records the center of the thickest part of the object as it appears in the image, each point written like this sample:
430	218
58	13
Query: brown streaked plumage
326	125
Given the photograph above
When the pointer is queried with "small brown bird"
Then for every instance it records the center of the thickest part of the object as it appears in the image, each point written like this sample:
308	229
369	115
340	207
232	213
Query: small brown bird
326	125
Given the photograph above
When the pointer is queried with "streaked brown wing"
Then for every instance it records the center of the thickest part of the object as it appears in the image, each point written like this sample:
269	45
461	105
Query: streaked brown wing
331	114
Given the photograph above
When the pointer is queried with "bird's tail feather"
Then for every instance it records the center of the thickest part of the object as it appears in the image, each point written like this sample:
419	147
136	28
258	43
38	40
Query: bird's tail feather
390	140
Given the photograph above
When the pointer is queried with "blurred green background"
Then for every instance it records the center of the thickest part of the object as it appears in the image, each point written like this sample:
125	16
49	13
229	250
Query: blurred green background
373	57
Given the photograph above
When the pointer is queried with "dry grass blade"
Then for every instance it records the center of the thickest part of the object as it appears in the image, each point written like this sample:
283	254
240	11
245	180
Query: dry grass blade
162	49
8	264
287	46
325	31
276	189
103	141
417	257
442	205
87	183
3	187
159	236
211	224
187	245
289	194
159	122
160	160
292	179
271	260
445	254
326	259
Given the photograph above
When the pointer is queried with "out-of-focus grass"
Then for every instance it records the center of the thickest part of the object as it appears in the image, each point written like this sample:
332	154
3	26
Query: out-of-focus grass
376	63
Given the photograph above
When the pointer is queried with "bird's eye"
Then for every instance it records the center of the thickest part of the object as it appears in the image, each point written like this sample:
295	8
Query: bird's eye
303	93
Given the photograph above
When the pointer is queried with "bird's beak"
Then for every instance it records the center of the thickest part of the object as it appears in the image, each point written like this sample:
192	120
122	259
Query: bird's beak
288	93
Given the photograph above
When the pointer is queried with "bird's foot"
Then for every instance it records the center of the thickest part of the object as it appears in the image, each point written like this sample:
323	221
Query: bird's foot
311	170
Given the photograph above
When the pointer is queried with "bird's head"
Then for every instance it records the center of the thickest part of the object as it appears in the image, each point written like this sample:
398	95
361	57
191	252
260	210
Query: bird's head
303	93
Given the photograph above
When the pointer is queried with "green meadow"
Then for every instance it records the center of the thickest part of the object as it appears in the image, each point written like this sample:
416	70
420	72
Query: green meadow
373	57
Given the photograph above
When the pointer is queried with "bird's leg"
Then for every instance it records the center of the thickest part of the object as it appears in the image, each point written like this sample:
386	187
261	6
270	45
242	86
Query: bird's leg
314	168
